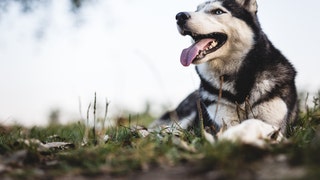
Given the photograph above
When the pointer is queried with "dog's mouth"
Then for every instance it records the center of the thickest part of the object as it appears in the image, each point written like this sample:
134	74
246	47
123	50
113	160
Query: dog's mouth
204	45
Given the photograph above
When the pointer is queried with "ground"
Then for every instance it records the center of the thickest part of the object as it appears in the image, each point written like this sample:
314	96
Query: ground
77	151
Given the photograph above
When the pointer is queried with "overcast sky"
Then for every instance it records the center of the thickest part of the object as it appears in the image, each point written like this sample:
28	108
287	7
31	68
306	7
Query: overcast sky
127	51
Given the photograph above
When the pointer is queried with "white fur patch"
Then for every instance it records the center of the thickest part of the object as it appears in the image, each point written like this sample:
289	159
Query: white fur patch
214	79
273	112
187	121
226	113
260	89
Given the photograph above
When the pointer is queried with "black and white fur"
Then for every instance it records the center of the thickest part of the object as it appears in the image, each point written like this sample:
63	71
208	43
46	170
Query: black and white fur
245	78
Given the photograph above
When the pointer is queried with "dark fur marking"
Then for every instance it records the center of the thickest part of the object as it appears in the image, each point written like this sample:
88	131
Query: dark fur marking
241	13
185	108
207	121
205	85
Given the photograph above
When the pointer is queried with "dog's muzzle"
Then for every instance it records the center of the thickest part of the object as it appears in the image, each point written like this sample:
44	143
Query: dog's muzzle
182	18
203	45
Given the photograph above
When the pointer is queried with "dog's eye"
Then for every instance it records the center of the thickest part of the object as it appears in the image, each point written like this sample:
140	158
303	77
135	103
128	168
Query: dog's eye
217	12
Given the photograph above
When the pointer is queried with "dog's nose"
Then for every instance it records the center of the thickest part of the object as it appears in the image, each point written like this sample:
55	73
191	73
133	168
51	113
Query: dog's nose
182	17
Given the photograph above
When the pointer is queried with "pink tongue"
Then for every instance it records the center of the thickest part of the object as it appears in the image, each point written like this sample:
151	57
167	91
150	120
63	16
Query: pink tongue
190	53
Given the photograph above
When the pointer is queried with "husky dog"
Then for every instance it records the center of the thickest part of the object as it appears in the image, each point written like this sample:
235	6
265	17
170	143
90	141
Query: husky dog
243	76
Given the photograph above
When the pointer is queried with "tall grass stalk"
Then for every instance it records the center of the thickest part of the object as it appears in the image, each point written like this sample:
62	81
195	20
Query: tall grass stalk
103	122
87	126
94	119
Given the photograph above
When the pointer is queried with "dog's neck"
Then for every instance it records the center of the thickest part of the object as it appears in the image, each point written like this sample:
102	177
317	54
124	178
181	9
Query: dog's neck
225	81
209	72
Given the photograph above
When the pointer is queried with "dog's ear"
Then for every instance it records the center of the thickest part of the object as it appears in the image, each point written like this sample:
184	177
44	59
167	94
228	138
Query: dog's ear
250	5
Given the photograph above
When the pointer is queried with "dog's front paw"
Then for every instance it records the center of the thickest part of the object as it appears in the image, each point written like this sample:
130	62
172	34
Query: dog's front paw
254	132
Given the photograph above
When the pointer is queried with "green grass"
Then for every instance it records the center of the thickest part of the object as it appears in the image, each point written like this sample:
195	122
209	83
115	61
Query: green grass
126	152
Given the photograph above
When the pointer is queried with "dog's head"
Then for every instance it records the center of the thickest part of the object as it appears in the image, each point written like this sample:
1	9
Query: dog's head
221	30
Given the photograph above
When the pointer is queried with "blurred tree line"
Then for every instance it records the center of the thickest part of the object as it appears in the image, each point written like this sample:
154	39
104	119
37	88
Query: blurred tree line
27	7
30	5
